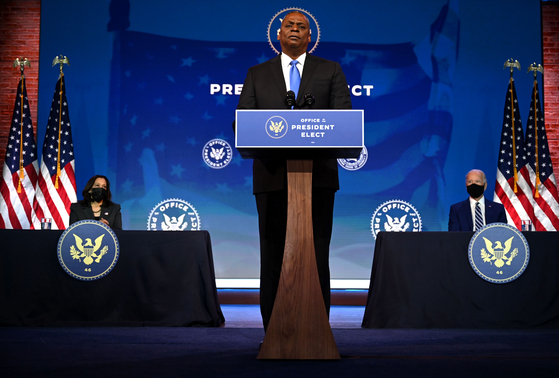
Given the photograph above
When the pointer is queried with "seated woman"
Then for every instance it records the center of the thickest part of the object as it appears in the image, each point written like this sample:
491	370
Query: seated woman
96	204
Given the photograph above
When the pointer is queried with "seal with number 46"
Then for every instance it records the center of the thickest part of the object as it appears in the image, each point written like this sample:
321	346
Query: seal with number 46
498	253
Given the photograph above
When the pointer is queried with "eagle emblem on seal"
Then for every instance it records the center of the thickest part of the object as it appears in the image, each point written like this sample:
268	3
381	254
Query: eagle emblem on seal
496	252
276	127
88	251
217	153
173	224
396	225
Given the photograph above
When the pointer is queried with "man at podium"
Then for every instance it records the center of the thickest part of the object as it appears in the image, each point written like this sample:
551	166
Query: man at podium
267	86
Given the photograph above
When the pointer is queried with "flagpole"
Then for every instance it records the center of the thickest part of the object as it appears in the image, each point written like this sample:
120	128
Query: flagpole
535	69
57	167
59	128
21	64
59	60
512	64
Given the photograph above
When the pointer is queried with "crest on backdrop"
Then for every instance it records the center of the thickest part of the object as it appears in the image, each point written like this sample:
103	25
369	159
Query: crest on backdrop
173	215
395	216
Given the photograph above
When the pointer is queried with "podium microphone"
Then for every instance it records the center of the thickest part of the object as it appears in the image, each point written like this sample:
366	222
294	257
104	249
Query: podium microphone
290	99
309	100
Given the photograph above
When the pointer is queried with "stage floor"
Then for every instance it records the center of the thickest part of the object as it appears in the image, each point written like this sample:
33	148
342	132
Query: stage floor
231	350
248	316
147	352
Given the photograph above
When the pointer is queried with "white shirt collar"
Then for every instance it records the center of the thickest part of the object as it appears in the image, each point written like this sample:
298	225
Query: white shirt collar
286	61
481	202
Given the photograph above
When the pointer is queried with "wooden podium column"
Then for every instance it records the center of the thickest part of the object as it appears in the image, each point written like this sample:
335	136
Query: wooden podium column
299	326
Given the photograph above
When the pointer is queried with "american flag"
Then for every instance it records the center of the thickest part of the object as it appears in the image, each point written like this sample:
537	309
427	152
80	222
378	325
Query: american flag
544	186
512	187
19	176
56	187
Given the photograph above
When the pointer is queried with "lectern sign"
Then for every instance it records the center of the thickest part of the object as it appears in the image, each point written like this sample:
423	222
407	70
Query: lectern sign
313	131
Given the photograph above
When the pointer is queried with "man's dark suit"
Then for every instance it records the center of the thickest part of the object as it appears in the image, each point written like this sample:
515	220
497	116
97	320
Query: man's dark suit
81	211
265	88
460	218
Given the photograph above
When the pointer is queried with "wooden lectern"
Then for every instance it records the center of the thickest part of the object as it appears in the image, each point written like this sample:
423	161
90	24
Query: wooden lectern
299	328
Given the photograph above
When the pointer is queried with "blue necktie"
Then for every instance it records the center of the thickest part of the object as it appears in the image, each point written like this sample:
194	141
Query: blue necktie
294	77
479	217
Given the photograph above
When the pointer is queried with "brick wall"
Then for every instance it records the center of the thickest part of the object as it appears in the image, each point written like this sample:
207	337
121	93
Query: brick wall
20	22
19	37
550	15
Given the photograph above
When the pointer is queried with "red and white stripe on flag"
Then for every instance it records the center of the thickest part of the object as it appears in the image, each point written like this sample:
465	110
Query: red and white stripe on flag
19	173
56	186
512	186
517	205
542	178
54	203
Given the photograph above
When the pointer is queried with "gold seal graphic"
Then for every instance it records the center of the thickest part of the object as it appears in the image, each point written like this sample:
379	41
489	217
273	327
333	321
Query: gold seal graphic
276	127
498	253
88	251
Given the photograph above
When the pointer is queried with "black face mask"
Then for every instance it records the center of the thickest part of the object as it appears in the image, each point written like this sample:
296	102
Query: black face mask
98	194
475	190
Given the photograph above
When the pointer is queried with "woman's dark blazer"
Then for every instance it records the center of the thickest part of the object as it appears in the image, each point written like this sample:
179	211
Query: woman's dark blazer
82	211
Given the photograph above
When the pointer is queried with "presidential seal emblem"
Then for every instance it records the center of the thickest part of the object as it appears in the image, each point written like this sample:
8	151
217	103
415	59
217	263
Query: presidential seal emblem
498	253
276	127
355	164
275	25
395	216
173	215
217	153
88	250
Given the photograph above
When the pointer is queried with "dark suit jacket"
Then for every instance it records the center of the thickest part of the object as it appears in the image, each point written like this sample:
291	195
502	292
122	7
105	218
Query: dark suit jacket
80	211
460	218
265	88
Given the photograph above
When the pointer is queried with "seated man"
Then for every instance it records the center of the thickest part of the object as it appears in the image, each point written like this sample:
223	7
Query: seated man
475	212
